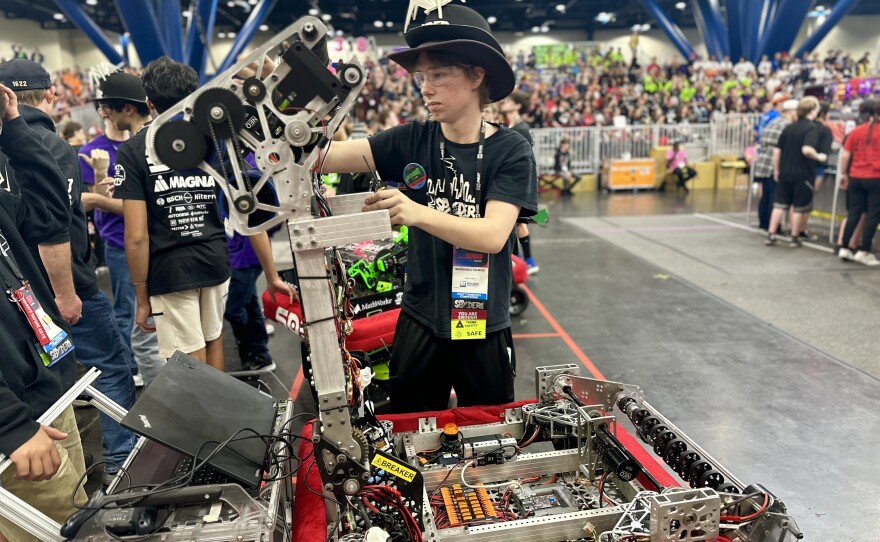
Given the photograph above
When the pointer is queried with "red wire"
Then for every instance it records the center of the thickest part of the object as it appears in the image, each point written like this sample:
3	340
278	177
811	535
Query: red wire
722	538
738	519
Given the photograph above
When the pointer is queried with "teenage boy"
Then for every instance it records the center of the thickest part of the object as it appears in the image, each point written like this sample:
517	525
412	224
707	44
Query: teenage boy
467	181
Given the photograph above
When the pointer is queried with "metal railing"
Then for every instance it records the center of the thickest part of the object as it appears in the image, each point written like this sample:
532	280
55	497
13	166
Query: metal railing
591	147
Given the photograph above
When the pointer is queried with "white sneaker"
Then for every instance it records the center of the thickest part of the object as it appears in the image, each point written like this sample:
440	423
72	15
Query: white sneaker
270	329
138	380
845	254
866	258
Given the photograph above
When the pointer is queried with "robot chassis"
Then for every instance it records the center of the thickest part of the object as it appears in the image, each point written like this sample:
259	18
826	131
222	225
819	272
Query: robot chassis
284	118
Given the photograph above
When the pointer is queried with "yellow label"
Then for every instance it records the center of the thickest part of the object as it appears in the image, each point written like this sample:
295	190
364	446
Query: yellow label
393	467
468	329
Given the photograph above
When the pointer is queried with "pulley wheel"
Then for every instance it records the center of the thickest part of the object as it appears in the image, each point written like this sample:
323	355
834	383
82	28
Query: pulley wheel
254	90
218	111
180	145
245	204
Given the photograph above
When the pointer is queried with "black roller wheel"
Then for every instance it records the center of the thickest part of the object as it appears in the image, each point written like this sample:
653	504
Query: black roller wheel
218	111
519	301
180	145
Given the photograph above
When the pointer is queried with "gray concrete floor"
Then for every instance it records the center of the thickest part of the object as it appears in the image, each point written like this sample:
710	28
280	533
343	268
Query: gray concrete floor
766	357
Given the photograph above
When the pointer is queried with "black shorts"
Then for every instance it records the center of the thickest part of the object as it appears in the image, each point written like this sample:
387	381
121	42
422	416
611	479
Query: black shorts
425	367
797	194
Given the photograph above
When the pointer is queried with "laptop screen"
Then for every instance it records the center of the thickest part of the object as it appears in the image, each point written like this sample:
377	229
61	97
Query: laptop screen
191	404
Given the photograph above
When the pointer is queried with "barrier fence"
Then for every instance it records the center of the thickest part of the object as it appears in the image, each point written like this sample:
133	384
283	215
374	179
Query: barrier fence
592	146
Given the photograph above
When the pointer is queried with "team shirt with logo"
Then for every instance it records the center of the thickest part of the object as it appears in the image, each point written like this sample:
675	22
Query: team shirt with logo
410	154
187	240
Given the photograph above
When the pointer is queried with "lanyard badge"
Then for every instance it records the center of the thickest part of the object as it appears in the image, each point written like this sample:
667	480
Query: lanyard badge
53	342
470	272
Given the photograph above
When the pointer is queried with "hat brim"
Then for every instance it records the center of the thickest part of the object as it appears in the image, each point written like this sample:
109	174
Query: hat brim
428	33
500	78
119	98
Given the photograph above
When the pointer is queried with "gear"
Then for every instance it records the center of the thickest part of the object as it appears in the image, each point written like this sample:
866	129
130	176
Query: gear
218	109
180	145
358	436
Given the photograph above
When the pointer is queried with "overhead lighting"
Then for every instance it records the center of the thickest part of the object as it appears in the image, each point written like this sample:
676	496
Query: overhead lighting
536	29
681	6
253	2
221	35
378	24
326	17
605	17
230	4
230	35
645	27
492	19
58	16
560	8
264	27
314	11
545	29
339	32
92	2
186	14
389	24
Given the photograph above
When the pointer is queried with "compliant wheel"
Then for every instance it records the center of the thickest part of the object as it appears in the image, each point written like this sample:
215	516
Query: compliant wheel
518	301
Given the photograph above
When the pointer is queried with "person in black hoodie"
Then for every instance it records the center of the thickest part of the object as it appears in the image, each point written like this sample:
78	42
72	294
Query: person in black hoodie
97	337
50	455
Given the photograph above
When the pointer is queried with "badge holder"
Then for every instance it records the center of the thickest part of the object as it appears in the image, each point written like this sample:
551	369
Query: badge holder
21	513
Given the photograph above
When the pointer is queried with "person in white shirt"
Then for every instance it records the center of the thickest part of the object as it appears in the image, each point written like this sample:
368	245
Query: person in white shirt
765	66
743	68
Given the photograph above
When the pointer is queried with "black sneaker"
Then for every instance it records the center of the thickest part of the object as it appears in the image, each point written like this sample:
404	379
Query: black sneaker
795	243
261	364
770	240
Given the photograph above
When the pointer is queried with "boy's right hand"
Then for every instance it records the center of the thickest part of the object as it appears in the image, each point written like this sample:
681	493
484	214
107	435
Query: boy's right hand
38	458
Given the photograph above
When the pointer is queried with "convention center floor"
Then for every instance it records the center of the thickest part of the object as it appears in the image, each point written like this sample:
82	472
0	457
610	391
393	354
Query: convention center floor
766	357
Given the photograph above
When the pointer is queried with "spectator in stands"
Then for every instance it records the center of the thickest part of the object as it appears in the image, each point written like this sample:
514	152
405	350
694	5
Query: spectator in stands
794	167
48	463
764	165
562	163
860	175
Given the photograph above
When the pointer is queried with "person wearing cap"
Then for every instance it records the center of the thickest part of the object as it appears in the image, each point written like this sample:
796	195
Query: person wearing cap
794	167
98	340
770	114
764	164
122	103
47	459
464	182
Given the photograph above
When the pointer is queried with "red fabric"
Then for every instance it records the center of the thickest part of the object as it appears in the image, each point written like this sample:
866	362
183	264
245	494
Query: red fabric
309	523
520	271
865	155
373	332
284	311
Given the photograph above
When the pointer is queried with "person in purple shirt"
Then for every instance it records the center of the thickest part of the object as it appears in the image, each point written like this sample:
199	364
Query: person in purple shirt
123	94
243	311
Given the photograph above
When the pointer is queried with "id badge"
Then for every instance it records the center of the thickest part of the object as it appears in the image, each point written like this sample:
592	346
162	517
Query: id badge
54	343
470	294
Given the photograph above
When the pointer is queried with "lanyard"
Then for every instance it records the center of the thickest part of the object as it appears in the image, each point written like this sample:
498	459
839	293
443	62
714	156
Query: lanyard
479	160
12	276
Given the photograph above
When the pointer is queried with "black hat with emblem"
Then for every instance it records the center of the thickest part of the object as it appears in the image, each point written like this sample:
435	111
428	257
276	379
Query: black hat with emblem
22	74
465	34
121	86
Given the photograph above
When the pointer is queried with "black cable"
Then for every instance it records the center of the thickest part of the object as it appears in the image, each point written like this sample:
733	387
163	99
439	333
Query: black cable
741	499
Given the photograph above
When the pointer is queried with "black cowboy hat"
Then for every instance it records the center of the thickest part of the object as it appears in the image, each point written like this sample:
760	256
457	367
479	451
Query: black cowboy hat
463	33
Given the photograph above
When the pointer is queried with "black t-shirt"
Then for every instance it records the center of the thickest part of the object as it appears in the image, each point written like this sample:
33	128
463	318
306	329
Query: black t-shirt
826	138
793	165
510	176
187	240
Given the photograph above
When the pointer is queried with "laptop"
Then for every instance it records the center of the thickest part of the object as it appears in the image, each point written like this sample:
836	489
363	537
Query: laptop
190	403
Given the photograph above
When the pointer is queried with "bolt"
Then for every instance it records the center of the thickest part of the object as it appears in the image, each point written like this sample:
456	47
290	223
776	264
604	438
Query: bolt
351	486
340	458
365	476
330	465
178	145
341	422
254	90
338	397
273	77
325	399
311	229
328	487
329	424
296	230
217	113
300	246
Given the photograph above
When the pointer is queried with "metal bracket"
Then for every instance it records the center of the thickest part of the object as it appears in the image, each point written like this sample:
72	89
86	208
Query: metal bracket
685	516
